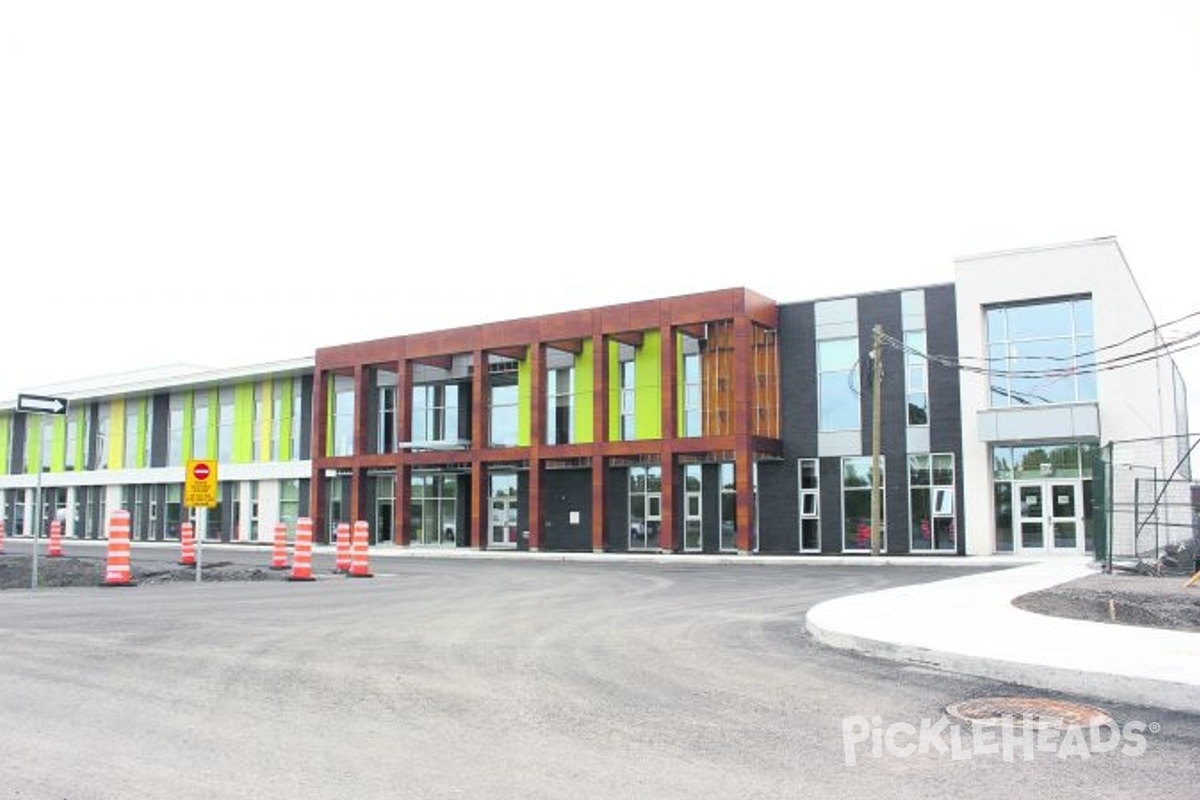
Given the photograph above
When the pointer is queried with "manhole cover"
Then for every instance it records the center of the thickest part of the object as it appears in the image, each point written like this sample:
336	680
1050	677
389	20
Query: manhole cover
1028	712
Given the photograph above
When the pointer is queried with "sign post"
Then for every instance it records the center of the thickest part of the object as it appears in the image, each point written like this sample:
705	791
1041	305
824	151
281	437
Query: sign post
200	492
39	404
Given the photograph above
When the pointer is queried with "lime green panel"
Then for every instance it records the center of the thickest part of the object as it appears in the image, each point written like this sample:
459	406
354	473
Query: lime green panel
116	433
585	403
5	439
263	430
285	424
243	423
58	444
189	420
524	401
33	442
139	458
647	392
614	392
80	443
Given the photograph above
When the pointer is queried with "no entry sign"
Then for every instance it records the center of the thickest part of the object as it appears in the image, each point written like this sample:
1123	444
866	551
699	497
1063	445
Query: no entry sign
200	484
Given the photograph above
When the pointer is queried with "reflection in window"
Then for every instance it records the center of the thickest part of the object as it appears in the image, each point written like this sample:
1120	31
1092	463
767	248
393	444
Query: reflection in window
856	503
560	400
931	502
645	507
916	375
728	472
810	505
837	377
434	509
1040	353
435	412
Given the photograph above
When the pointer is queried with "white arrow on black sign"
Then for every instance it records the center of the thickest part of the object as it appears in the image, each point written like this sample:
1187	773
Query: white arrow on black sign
41	404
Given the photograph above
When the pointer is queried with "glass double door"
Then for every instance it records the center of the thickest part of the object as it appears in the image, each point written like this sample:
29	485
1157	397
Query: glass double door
1049	517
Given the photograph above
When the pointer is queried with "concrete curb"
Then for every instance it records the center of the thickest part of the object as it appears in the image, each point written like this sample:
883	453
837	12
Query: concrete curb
969	625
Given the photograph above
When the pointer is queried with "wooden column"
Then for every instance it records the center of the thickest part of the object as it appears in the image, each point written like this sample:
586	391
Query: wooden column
358	495
317	490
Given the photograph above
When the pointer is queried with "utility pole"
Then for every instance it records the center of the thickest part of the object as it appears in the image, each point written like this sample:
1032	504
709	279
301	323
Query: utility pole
876	424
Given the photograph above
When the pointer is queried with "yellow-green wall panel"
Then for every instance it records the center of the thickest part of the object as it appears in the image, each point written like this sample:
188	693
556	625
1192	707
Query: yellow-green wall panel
585	401
143	418
116	433
243	423
5	442
524	400
58	444
647	390
214	423
80	443
285	424
263	450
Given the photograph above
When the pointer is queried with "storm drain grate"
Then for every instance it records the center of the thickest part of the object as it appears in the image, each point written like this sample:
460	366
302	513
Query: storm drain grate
1028	712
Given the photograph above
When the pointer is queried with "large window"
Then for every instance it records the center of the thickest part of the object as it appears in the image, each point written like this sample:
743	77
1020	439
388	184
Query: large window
342	435
693	404
275	452
728	474
856	503
225	414
645	507
1041	353
435	412
434	509
931	502
289	504
916	377
693	508
810	505
560	401
504	400
628	401
837	376
133	417
200	425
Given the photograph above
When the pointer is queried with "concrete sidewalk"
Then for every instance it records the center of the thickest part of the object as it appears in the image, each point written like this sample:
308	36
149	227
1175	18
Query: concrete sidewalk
969	625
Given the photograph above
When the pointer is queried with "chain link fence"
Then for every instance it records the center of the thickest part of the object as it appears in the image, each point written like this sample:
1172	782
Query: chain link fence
1143	496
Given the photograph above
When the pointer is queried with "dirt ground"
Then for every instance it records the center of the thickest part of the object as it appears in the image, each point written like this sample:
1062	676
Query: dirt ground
1155	602
83	571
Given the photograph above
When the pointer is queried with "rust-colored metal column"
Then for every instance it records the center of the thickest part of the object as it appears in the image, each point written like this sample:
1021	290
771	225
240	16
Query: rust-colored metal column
600	412
537	426
479	441
743	393
358	495
404	391
669	383
317	489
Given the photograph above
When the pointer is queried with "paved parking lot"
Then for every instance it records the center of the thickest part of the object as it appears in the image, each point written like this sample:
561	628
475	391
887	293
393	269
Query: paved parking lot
444	678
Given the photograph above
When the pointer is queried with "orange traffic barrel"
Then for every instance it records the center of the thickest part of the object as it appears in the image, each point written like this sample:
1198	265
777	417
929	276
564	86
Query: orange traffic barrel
302	556
118	571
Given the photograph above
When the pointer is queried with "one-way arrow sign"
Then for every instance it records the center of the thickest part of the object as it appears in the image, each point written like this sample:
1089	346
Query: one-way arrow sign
40	404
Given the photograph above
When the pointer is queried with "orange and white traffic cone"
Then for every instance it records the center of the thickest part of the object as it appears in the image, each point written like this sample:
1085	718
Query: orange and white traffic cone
279	550
360	566
187	544
55	550
343	548
302	556
1	536
118	572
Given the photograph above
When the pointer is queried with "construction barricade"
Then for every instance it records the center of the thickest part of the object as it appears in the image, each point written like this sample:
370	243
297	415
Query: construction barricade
302	556
118	572
279	548
55	550
187	544
360	566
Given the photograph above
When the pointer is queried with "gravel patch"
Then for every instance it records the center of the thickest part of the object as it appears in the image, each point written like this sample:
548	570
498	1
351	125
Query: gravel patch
1121	599
16	572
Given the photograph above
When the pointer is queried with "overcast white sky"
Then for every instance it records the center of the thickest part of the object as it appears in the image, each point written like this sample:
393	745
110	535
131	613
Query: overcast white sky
227	183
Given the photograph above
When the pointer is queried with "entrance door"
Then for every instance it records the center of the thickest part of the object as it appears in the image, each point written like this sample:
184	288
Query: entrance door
504	522
1049	517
